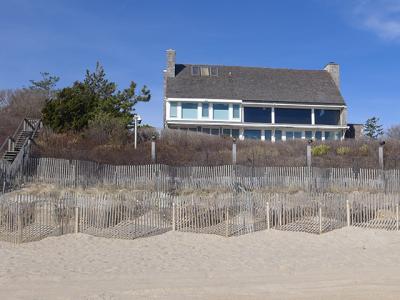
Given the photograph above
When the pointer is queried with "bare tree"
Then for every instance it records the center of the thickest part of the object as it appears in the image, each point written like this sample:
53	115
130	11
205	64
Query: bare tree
5	98
394	132
16	105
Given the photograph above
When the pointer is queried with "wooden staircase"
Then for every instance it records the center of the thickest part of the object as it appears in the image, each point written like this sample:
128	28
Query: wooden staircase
27	130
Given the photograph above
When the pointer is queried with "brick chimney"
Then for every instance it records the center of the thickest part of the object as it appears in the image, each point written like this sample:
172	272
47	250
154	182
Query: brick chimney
171	60
333	69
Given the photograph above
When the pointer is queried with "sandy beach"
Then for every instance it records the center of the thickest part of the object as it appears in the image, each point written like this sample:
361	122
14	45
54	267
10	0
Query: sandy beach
349	263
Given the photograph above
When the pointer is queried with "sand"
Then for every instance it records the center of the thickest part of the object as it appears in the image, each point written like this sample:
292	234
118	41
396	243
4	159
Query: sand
349	263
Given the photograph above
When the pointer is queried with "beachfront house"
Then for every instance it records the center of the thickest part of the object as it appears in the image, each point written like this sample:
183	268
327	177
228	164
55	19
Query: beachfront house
254	103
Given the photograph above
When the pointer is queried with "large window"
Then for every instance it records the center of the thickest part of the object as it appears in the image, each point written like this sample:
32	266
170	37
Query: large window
215	131
204	110
252	134
226	132
221	111
318	135
268	135
278	135
206	130
292	116
257	115
308	135
327	116
329	135
338	135
173	109
293	135
235	133
189	110
236	111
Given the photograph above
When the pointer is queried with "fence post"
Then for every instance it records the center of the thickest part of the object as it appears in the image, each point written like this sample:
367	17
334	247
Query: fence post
76	219
153	149
268	220
173	216
20	223
309	157
234	151
348	212
381	163
320	218
227	222
10	144
397	216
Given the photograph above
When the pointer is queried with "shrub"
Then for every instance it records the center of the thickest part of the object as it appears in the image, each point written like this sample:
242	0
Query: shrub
364	150
74	107
320	150
343	150
105	129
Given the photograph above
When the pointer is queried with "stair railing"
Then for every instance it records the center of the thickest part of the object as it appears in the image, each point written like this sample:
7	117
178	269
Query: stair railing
6	145
23	153
9	143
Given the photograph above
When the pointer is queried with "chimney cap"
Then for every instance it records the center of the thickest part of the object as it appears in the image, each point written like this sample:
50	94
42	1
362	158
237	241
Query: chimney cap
331	63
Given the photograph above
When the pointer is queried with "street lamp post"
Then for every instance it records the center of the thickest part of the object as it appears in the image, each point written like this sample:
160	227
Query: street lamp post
136	119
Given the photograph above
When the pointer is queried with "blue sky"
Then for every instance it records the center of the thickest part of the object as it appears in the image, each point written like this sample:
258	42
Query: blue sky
130	38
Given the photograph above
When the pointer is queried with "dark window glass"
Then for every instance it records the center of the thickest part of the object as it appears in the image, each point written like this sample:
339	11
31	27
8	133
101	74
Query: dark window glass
235	133
338	135
193	129
289	135
226	132
329	135
189	110
221	111
268	135
195	71
214	71
318	135
206	130
215	131
252	134
292	116
173	110
278	135
297	135
236	111
308	135
327	116
204	110
257	115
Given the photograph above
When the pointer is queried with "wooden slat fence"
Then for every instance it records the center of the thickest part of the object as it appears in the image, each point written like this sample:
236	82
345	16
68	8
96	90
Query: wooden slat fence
238	178
232	215
25	218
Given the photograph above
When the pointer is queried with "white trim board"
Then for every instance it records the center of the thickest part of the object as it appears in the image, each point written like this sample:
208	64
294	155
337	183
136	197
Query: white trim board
254	125
268	104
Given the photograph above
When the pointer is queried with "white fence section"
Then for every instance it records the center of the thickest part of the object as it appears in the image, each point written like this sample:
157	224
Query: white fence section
25	218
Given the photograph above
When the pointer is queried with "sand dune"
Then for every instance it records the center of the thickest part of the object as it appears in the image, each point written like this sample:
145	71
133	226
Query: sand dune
345	264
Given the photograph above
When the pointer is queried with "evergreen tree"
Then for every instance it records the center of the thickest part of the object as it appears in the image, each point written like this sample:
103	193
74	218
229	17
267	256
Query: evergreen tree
372	128
74	107
47	84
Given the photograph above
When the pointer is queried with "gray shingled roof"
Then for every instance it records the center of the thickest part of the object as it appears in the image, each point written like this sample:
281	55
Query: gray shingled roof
256	84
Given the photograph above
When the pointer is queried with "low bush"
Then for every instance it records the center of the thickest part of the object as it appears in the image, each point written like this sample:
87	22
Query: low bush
364	150
320	150
343	150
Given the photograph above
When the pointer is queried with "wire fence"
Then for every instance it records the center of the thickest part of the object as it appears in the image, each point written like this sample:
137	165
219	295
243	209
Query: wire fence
26	218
